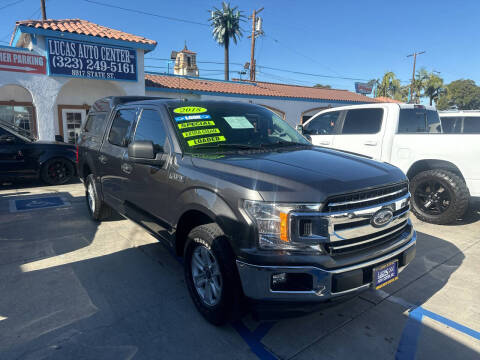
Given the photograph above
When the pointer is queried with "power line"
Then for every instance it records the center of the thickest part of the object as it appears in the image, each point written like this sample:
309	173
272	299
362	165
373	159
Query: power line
11	4
171	18
198	62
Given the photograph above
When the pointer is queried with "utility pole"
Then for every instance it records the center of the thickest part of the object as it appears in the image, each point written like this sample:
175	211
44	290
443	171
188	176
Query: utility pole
44	12
255	32
413	75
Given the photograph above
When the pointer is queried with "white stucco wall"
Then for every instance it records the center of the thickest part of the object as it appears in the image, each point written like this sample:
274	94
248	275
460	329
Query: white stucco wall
47	92
293	109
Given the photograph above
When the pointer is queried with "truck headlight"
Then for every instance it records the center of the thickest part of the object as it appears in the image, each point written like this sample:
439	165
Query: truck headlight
273	221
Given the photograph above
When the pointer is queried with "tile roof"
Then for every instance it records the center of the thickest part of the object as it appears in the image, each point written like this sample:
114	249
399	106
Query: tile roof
387	100
84	27
248	88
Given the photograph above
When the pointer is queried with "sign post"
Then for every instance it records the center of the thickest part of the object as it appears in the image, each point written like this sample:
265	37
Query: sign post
92	61
363	88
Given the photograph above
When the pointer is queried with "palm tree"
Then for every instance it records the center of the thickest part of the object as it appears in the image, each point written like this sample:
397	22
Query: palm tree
226	24
389	86
434	87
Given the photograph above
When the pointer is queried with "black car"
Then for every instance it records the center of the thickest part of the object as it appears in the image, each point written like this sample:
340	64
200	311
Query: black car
23	157
256	211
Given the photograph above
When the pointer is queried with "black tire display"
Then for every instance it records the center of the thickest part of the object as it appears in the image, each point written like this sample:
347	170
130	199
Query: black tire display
97	209
57	171
211	275
439	196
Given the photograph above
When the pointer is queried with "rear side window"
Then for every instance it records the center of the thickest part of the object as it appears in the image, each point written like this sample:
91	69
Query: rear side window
451	125
150	128
471	125
363	121
122	123
95	123
418	121
323	124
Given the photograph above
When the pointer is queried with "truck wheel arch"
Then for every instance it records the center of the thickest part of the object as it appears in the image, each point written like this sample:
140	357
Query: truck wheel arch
199	213
432	164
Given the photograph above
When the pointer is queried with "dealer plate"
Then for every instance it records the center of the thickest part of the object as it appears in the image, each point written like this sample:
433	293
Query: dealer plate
385	274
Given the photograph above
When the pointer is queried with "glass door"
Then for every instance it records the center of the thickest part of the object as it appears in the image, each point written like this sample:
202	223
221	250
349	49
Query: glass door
72	121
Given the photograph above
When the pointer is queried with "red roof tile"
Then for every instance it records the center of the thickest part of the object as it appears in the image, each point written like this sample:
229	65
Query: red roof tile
387	100
84	27
249	88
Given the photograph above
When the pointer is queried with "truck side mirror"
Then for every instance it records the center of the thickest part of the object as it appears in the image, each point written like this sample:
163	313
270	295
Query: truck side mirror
299	128
144	152
141	150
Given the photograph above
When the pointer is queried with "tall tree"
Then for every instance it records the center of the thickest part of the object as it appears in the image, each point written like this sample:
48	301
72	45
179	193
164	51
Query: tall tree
462	94
388	86
433	87
226	25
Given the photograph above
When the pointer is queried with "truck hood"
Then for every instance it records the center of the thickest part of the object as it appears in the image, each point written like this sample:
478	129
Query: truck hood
306	175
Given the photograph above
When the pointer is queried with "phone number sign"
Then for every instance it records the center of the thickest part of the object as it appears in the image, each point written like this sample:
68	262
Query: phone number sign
92	61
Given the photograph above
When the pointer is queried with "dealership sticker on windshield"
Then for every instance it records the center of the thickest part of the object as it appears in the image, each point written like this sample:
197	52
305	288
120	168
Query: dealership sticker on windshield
238	122
189	110
200	132
196	124
192	117
206	140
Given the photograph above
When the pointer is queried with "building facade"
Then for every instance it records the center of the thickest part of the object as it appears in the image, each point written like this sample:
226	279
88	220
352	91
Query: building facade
55	70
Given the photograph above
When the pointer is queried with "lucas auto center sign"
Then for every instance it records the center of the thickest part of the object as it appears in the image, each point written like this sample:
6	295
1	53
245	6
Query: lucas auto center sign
22	61
89	60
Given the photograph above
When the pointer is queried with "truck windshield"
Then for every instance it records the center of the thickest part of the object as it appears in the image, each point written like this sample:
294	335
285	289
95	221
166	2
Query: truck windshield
220	127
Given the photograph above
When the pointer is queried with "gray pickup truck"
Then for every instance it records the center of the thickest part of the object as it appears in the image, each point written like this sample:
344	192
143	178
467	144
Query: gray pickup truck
231	188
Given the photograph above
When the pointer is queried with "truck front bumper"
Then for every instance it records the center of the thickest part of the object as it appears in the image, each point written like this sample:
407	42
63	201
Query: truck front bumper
313	284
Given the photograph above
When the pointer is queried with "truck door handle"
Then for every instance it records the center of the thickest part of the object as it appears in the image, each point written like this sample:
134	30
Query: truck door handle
102	159
127	168
370	143
325	142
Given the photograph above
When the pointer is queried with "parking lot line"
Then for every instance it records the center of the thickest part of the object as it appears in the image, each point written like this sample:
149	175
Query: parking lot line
253	339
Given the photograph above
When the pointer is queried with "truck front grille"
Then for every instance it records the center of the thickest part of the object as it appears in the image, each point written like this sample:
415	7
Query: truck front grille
347	225
366	198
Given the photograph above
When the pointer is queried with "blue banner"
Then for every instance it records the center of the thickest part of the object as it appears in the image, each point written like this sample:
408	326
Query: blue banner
92	61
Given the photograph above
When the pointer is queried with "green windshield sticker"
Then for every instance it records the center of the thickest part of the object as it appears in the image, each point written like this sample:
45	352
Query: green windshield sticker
238	122
189	110
206	140
195	124
200	132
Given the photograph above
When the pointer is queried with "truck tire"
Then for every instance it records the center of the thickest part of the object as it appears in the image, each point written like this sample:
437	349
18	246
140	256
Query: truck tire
57	171
209	259
439	196
97	209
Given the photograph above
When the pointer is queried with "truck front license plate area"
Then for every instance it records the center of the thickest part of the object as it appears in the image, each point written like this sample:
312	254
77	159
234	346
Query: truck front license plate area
385	274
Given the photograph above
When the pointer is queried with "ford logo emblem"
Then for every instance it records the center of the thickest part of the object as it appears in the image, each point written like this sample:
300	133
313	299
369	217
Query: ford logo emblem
381	218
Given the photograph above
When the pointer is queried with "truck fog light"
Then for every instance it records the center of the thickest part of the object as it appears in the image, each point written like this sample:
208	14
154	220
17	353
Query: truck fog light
279	278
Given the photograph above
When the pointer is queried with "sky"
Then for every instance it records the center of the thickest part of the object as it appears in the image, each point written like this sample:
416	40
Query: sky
329	39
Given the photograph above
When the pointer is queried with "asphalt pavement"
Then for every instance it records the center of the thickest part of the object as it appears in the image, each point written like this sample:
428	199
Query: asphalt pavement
71	288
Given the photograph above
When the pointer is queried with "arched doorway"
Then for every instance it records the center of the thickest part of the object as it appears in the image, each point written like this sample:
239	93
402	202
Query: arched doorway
17	109
74	101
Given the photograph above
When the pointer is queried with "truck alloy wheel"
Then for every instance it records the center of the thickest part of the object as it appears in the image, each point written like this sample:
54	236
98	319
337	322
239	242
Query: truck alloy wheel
206	275
91	198
211	275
